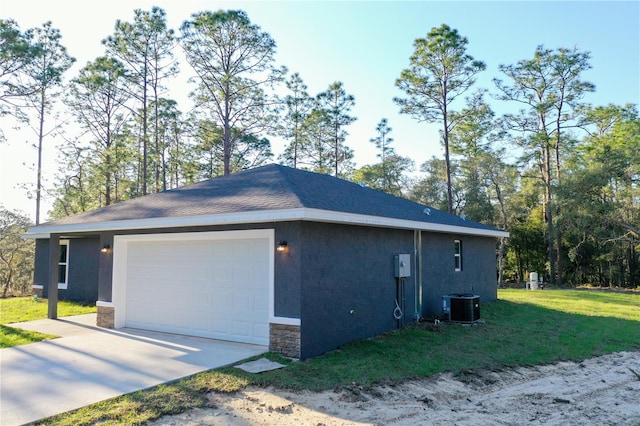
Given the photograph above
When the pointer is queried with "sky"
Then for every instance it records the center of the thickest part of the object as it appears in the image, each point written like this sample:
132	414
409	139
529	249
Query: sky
363	44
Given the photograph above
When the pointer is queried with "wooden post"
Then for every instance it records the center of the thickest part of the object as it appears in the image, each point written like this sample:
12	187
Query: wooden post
54	258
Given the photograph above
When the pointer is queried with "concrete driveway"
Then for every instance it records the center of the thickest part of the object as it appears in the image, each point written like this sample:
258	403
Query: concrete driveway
90	364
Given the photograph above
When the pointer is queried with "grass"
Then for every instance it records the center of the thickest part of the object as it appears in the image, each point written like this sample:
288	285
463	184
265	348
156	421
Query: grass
10	337
19	309
521	328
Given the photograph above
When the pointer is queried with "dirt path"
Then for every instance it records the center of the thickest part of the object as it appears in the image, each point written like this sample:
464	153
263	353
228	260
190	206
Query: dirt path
599	391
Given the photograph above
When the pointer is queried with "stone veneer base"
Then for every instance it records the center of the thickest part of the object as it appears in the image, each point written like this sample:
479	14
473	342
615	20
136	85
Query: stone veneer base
285	339
105	317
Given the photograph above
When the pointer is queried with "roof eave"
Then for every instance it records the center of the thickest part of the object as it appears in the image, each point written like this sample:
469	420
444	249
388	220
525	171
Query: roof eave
262	216
366	220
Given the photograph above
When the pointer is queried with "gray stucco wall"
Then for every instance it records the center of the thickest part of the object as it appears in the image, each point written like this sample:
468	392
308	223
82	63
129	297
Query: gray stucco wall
478	274
288	270
338	279
348	285
41	264
84	256
105	269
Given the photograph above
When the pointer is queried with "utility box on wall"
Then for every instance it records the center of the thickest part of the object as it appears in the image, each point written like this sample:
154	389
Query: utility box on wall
402	264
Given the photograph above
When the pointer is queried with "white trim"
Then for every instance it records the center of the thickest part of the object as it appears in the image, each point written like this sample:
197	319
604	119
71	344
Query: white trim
36	236
103	304
64	285
61	286
457	256
284	320
120	258
172	222
118	280
196	236
262	216
358	219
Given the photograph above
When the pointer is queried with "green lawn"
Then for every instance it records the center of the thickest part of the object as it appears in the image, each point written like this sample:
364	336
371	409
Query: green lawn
19	309
521	328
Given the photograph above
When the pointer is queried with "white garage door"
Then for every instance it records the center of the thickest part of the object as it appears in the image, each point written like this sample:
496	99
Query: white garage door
216	288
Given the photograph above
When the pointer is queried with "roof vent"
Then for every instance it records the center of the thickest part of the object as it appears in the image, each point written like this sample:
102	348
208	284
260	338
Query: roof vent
361	183
463	217
427	211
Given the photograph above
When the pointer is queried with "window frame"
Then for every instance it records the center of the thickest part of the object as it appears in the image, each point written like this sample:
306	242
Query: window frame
63	285
457	255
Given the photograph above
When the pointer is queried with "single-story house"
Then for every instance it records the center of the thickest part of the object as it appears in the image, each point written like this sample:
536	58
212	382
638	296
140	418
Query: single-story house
299	261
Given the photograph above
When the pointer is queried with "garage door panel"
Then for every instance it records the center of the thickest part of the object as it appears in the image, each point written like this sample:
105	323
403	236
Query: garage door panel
248	276
200	300
219	250
152	316
261	329
201	274
243	302
221	300
212	288
261	304
243	249
220	325
241	328
242	276
201	323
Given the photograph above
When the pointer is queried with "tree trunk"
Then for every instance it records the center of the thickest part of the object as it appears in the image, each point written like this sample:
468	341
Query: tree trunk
226	147
335	140
107	183
559	262
145	131
501	251
7	283
39	172
447	164
557	211
548	210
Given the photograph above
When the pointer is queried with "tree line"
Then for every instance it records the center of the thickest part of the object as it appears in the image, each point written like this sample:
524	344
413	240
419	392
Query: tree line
569	201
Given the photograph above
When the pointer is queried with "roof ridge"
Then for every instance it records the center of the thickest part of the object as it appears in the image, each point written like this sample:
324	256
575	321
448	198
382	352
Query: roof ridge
290	186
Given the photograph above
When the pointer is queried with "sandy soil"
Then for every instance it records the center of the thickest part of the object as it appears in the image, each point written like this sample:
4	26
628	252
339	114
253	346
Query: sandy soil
599	391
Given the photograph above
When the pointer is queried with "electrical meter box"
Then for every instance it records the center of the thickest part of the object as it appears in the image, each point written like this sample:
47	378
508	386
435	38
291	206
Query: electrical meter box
402	265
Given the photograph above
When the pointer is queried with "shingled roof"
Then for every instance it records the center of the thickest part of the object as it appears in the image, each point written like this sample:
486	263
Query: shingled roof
266	194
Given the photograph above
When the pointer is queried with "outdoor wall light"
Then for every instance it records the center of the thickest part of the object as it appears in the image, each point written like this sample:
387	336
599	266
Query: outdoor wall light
106	248
282	247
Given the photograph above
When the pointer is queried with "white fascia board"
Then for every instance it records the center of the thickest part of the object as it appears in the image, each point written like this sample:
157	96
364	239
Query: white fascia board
36	236
357	219
168	222
263	216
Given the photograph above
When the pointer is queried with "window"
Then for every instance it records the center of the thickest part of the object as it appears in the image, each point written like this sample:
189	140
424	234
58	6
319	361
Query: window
63	264
457	255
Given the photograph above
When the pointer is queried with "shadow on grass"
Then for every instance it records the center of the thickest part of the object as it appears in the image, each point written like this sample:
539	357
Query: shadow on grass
10	337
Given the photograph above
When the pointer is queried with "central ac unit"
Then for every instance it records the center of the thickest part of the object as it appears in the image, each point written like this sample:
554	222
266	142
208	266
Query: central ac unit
461	307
